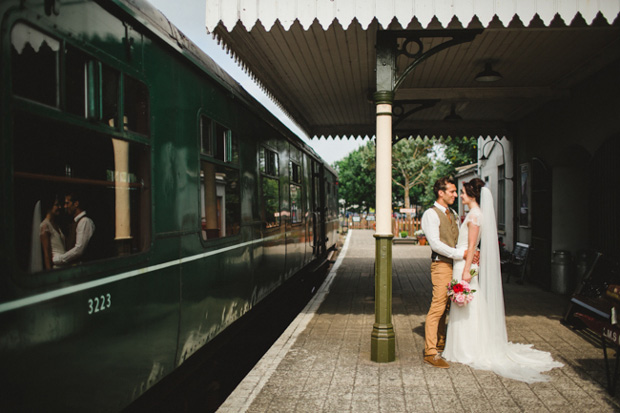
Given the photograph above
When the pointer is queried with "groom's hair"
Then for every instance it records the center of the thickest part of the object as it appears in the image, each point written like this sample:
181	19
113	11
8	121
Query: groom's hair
441	185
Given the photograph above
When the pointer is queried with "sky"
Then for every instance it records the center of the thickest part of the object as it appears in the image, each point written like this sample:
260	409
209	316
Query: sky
189	17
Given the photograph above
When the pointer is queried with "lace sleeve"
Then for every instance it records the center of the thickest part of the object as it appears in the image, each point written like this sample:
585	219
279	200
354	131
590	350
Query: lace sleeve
43	228
475	216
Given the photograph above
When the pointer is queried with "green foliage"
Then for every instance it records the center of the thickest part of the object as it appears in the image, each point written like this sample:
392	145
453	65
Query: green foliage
356	179
460	151
454	152
411	164
416	165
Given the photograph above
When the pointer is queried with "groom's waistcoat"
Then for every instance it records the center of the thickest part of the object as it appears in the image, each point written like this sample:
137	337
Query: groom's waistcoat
448	232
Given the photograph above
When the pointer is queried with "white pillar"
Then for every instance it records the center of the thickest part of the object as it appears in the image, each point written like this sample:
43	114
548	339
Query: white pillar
384	169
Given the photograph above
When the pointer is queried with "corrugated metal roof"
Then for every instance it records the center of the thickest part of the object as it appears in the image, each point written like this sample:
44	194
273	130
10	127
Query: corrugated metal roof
318	58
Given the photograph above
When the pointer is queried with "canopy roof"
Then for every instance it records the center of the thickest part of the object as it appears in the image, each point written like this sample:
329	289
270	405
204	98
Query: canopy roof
318	59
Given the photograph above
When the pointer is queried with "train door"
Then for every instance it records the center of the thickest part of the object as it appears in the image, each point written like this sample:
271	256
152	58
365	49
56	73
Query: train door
318	209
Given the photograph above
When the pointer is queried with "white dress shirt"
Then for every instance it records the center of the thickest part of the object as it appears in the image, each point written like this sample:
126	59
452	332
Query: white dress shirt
83	232
430	226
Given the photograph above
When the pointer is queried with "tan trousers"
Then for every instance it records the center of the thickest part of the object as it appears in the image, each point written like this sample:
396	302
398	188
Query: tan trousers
435	328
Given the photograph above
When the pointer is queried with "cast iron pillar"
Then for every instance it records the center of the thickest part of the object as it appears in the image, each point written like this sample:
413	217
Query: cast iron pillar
383	340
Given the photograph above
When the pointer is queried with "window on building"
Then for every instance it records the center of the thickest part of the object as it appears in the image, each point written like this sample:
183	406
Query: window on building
270	187
501	198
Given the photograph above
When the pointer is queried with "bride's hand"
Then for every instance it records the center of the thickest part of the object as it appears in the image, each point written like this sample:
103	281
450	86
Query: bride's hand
466	276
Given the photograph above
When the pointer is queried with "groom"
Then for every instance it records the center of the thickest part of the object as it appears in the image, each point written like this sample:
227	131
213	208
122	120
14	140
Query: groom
440	225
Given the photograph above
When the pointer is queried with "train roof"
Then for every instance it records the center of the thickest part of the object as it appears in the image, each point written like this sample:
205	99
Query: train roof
157	23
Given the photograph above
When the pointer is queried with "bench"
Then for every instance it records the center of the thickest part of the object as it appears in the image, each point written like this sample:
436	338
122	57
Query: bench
517	261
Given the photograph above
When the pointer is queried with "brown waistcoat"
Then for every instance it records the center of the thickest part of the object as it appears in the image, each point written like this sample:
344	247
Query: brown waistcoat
448	232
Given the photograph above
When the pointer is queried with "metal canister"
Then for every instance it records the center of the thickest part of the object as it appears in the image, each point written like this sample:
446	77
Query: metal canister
561	269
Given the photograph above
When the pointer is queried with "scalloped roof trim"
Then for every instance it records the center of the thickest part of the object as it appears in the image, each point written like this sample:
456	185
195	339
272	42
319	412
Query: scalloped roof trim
227	13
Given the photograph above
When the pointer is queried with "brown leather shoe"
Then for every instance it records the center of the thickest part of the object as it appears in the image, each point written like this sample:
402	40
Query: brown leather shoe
435	360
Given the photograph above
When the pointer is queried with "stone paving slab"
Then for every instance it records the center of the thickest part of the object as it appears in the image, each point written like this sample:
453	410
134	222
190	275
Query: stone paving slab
322	362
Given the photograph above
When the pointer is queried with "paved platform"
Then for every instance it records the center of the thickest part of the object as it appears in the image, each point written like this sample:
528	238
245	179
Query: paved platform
322	362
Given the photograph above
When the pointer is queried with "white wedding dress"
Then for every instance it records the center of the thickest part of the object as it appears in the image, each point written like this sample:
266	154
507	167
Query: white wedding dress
477	332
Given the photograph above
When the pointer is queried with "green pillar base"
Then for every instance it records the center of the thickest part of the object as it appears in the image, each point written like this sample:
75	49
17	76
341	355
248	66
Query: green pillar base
383	340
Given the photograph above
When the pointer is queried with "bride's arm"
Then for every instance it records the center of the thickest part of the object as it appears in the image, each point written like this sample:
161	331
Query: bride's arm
472	240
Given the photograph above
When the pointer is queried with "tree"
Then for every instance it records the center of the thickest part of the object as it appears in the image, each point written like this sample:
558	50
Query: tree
451	153
356	179
416	165
460	151
411	164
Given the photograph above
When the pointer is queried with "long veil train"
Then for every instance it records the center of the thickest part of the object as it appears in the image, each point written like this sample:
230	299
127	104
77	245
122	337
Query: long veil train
512	360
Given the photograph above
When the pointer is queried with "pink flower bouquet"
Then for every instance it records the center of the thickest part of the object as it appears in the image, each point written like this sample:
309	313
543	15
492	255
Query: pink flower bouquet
460	293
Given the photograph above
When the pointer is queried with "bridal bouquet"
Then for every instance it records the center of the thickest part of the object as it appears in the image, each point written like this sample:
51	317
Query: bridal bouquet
460	293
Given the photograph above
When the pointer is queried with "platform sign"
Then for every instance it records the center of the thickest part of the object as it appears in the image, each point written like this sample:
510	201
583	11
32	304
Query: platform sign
407	211
356	219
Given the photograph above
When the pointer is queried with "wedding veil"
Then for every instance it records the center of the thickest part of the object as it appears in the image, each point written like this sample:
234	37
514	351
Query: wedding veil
490	275
512	360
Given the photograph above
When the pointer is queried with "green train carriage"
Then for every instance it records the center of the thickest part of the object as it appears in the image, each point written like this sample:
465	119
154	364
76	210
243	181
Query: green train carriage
203	202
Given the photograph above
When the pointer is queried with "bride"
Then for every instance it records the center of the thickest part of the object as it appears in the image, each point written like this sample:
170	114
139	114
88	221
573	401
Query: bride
477	332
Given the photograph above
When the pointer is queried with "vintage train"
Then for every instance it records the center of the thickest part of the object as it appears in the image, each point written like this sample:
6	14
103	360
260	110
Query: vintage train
202	203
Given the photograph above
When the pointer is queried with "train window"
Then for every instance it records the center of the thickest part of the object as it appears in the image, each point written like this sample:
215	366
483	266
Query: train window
76	64
232	149
271	202
226	145
296	204
107	177
206	141
295	193
136	106
109	94
295	172
220	201
262	160
34	64
268	162
270	187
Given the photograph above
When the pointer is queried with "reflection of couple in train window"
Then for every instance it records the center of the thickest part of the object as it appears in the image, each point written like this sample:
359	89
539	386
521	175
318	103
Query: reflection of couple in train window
50	232
57	249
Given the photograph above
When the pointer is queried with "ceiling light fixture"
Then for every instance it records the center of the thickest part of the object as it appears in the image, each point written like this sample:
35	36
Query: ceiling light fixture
452	116
488	74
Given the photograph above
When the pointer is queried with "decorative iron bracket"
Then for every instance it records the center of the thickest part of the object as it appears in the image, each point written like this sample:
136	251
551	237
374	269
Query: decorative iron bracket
398	109
416	36
399	113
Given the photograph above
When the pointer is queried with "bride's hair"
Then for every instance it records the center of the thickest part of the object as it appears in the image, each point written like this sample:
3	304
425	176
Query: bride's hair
473	188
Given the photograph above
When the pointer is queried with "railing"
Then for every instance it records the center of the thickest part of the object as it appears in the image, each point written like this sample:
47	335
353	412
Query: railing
398	224
357	223
405	224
